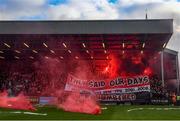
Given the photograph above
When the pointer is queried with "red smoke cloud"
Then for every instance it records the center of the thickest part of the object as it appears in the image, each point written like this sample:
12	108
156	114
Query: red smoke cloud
68	101
51	76
54	70
148	71
19	102
76	102
112	67
127	65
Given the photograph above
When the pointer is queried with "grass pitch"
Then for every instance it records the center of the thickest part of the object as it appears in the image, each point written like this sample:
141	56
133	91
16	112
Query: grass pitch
113	112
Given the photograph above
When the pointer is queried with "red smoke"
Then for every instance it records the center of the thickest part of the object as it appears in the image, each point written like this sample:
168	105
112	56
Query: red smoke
127	65
68	101
53	70
112	67
20	102
148	71
51	76
76	102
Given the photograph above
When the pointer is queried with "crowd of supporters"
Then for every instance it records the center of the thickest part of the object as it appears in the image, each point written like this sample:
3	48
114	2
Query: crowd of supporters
32	84
160	92
38	83
157	89
15	83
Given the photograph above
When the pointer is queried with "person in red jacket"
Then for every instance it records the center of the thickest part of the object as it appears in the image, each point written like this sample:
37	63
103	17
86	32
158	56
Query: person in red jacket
174	98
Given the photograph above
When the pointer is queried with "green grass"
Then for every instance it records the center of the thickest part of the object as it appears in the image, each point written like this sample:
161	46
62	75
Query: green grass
112	112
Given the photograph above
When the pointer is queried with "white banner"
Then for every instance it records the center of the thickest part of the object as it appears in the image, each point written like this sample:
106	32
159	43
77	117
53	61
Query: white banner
116	86
124	90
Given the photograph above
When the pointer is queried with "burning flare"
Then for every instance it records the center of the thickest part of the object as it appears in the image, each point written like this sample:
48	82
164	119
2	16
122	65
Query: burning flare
20	102
76	102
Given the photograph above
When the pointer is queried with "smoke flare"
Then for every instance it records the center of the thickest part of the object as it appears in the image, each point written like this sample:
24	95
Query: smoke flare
19	102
